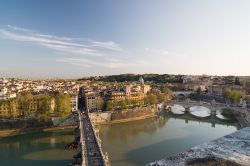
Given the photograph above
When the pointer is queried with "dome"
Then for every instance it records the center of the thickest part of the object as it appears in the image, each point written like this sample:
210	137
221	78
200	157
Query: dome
141	80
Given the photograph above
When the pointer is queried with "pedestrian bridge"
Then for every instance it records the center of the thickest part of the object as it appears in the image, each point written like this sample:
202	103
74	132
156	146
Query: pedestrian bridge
90	144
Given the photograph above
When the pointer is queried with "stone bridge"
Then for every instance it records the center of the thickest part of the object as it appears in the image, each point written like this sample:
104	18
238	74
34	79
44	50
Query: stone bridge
182	93
242	114
187	104
91	151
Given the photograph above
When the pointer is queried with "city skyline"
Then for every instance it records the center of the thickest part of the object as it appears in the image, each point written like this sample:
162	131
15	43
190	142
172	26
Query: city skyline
73	39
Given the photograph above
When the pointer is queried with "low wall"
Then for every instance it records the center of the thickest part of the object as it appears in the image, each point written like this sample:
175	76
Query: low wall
134	113
247	115
100	117
139	112
232	149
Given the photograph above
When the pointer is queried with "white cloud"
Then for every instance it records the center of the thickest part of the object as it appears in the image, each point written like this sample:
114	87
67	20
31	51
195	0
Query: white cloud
72	49
64	44
165	52
19	29
107	45
92	63
96	53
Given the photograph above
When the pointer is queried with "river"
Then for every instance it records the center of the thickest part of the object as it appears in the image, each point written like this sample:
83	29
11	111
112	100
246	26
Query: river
36	149
140	142
128	144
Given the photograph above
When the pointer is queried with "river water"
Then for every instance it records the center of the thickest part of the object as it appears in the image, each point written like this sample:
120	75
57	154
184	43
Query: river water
128	144
140	142
37	149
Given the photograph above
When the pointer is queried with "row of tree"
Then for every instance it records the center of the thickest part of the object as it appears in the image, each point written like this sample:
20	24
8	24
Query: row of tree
41	107
157	78
150	99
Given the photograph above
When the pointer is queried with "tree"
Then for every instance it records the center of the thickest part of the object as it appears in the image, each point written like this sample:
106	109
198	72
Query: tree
62	105
198	90
150	99
122	105
100	103
109	106
12	106
234	96
43	108
134	102
161	97
168	92
25	102
237	81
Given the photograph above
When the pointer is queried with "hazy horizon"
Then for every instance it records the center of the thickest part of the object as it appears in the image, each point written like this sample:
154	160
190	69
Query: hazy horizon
74	39
80	77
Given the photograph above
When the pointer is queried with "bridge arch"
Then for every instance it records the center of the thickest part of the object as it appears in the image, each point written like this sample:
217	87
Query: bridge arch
182	93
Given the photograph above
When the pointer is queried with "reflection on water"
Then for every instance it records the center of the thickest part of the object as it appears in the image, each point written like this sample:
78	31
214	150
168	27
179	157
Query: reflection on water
200	111
41	148
128	144
51	154
140	142
219	115
178	109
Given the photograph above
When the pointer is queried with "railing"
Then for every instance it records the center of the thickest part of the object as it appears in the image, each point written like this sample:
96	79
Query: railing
98	143
82	142
84	145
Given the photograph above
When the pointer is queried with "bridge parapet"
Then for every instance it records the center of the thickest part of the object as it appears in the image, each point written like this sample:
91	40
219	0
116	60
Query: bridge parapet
91	151
82	142
187	104
98	140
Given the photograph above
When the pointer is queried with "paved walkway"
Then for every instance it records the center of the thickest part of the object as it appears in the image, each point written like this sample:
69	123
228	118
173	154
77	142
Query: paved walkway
94	155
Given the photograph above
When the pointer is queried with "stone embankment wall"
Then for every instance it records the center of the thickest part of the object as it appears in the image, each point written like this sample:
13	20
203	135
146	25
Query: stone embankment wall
243	116
100	117
134	113
122	115
70	121
247	114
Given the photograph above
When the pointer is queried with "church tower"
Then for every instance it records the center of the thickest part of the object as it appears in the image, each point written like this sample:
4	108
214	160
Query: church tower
141	80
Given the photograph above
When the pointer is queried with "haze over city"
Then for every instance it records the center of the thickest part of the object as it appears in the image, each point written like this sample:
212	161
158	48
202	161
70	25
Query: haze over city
124	82
65	39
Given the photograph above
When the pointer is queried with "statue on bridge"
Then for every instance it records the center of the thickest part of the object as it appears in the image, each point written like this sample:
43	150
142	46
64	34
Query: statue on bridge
213	103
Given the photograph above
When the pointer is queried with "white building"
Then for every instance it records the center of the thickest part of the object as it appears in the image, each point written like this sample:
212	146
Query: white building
3	91
73	103
4	95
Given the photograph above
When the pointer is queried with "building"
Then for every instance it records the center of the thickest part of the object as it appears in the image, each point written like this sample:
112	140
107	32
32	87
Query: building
94	102
219	90
4	94
3	91
18	108
131	92
246	86
73	103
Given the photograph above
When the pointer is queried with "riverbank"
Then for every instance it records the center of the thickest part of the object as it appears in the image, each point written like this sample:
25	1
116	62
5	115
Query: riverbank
125	120
13	132
20	131
138	113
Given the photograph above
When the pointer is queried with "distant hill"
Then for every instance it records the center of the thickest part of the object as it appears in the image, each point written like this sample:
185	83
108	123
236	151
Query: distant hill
157	78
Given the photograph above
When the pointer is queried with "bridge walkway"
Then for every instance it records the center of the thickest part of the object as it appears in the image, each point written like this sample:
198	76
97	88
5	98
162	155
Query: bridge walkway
91	151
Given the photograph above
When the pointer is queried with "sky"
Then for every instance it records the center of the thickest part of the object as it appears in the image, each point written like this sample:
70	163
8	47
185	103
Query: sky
78	38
